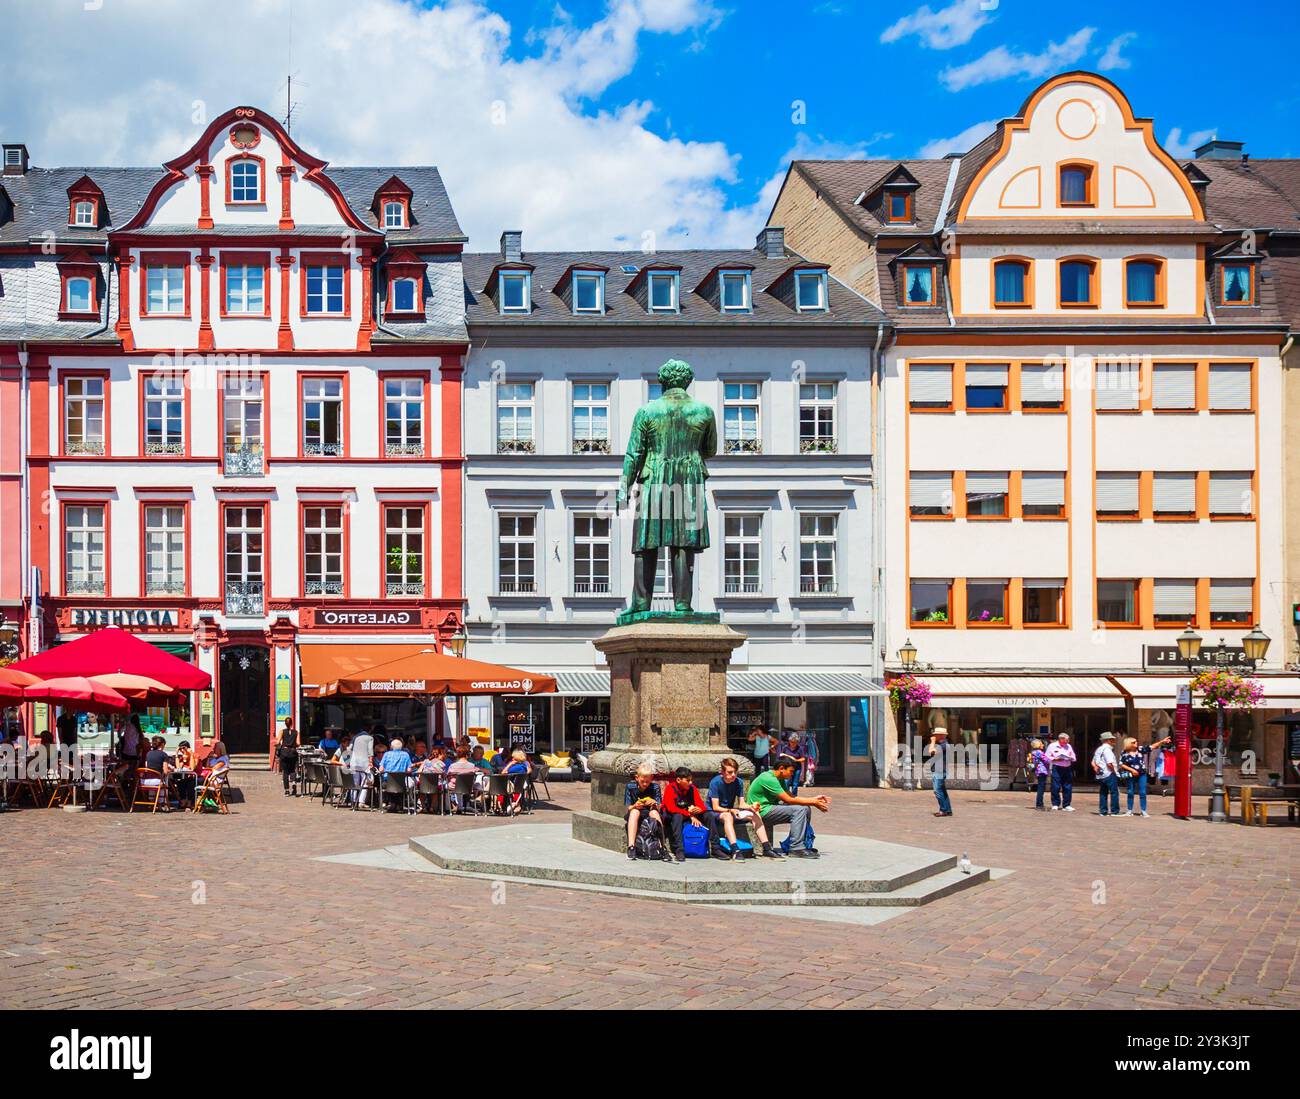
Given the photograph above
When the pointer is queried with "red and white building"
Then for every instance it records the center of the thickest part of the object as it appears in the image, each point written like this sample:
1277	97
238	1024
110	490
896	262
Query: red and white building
203	365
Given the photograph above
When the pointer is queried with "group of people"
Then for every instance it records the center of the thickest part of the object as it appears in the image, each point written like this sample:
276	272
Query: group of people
371	755
767	746
726	810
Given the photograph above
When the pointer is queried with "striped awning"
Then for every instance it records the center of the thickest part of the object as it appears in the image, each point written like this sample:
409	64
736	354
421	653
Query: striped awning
740	684
1160	692
1008	691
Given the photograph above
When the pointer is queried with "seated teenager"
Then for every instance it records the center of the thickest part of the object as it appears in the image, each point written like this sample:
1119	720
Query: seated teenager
682	805
727	800
641	798
776	805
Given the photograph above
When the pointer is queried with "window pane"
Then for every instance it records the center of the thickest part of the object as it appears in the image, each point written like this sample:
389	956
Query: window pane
1142	283
986	601
1009	283
1076	283
1074	185
1117	601
930	600
919	284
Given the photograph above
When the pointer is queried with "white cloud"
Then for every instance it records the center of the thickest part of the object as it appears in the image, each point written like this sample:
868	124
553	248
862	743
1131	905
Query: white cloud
1111	58
954	25
511	126
958	143
1000	63
1179	148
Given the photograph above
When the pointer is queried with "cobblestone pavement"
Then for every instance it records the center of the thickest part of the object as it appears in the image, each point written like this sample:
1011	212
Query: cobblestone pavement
110	910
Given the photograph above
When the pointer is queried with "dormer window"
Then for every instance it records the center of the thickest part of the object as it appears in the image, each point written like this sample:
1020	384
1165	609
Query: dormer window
244	177
80	295
898	206
810	291
734	291
85	201
1077	185
405	284
1237	284
516	296
588	292
918	284
403	295
663	291
83	213
394	214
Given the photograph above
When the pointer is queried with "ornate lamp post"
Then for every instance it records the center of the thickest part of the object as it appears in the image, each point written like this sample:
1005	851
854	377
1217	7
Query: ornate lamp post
1189	647
907	657
1255	644
457	641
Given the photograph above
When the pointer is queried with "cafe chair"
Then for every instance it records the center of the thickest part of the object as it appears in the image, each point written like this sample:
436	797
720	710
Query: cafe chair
339	785
400	790
430	786
518	798
539	773
469	798
213	791
150	789
113	787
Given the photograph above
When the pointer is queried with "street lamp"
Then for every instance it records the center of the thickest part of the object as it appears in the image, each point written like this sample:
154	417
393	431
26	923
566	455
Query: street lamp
1255	645
1189	647
907	657
457	641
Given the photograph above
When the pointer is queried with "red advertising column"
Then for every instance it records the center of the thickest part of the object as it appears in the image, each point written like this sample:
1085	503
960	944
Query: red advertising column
1183	754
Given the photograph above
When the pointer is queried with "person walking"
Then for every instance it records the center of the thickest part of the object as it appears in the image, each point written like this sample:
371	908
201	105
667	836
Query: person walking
286	753
1061	757
1133	766
1106	767
938	753
1041	768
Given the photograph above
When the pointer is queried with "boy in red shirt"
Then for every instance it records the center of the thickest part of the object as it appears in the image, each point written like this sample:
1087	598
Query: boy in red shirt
683	804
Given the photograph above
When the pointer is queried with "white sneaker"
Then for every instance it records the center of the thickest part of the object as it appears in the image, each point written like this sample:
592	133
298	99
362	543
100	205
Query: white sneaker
1068	809
1129	813
1143	813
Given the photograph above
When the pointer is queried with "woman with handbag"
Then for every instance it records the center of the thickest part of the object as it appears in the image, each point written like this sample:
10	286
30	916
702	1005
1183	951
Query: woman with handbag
286	751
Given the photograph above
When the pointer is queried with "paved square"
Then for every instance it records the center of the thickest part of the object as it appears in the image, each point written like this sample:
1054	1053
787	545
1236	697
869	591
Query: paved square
109	910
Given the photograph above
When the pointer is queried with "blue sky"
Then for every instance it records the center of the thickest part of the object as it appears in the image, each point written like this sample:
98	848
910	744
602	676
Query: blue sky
621	123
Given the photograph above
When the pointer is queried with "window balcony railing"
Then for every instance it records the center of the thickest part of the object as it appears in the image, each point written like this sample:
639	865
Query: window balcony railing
590	446
404	589
742	446
517	587
816	587
820	444
244	598
156	449
243	461
591	587
322	450
164	585
91	585
323	587
84	446
516	446
403	450
743	587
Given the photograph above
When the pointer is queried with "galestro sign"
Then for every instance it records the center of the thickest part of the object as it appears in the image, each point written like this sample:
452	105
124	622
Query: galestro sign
373	619
525	685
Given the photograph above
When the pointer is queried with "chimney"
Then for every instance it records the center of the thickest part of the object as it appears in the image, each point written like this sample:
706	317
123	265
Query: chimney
771	241
512	245
1219	150
15	160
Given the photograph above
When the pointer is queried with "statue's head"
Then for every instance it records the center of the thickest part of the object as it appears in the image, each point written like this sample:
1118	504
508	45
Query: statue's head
675	374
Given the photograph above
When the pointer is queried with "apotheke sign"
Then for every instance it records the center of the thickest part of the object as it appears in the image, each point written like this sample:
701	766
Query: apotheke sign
154	618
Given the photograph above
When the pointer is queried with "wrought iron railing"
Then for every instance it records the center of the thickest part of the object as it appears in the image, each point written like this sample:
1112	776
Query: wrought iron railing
398	589
403	450
323	450
820	444
323	587
591	587
244	598
743	446
83	446
91	585
165	585
243	461
590	446
516	446
158	449
517	587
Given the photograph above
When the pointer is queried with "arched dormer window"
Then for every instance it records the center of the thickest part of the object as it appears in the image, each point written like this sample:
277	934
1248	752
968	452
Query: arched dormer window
1013	283
1076	282
405	285
79	297
1144	282
1077	184
85	204
245	181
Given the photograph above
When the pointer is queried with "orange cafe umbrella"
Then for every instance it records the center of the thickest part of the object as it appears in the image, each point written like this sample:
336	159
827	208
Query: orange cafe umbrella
77	692
138	688
429	672
12	682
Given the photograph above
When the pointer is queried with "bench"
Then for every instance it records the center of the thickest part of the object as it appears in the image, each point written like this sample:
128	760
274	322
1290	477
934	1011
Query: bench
1255	802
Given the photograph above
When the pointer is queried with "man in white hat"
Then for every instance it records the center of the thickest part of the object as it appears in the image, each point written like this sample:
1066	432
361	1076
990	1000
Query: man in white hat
1106	768
938	753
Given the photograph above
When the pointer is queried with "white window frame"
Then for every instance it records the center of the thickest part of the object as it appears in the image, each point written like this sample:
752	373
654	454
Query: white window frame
83	401
171	285
398	222
251	580
414	306
166	394
514	443
746	294
164	543
326	399
598	278
326	522
742	443
819	539
327	294
409	440
255	176
525	278
749	551
239	274
86	306
84	206
588	541
402	583
238	393
818	404
589	442
800	277
516	540
673	278
83	542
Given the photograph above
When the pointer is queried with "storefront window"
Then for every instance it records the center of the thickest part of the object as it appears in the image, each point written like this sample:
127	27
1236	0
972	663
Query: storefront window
826	726
523	721
744	715
406	717
586	724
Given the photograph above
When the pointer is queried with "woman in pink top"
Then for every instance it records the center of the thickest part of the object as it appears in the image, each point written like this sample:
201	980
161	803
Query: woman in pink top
1061	758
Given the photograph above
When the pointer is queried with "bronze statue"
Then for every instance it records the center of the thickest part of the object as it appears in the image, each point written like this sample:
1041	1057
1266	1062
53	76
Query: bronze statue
671	438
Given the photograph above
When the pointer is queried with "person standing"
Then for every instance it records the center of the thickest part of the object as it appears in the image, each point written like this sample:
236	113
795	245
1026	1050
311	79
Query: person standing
1106	767
811	754
286	753
363	754
1061	757
763	742
938	753
1040	766
1132	765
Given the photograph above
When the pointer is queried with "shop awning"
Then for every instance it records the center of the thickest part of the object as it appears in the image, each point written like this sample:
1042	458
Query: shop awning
322	664
808	684
1088	692
427	672
1160	692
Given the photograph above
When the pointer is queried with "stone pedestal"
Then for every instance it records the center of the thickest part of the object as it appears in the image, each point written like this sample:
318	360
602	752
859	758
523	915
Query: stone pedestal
668	708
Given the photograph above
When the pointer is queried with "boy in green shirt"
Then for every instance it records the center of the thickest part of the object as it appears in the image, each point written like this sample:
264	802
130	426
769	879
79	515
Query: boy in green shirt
767	793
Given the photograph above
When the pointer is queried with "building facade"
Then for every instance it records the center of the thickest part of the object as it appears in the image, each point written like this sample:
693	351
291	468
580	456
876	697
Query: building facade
1081	425
565	348
235	383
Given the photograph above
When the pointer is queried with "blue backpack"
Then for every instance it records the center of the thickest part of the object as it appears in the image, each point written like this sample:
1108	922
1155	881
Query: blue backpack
695	841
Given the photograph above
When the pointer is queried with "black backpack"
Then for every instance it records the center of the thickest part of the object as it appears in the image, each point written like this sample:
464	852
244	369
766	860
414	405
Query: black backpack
649	839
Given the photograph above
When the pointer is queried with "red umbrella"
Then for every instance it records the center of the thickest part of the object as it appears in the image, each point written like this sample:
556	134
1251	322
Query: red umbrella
13	681
138	688
114	650
77	692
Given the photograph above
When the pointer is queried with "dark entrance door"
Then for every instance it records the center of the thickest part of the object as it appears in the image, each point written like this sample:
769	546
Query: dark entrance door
246	698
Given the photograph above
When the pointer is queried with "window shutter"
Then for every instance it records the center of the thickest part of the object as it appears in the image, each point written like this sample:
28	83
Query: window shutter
1042	488
1117	385
986	374
1174	492
1229	385
1117	492
1231	596
986	484
1041	383
1057	584
1230	494
1173	386
931	384
1175	597
931	490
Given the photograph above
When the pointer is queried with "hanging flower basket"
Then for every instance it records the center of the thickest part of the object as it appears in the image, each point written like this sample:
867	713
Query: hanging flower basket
907	690
1225	690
